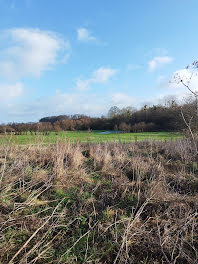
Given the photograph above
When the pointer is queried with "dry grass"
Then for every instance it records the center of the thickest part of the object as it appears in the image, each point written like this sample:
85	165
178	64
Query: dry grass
99	203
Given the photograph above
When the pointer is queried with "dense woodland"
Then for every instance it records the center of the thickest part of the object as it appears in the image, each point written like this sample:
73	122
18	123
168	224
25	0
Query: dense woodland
161	117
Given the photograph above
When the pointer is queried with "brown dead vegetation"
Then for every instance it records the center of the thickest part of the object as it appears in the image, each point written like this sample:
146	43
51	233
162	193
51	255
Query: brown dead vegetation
99	203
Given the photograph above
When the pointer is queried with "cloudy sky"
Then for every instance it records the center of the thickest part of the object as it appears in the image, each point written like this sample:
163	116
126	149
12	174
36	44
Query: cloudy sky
68	57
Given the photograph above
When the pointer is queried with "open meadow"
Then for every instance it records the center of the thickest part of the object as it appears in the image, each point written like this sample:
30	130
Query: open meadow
99	203
98	132
84	137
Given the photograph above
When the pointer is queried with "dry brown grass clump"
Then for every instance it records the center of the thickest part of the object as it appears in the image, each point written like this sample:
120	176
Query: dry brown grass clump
99	203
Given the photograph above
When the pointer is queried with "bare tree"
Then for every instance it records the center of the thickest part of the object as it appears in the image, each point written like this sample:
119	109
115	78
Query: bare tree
185	80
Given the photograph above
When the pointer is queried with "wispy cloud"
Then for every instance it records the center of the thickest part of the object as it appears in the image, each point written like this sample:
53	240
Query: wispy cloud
91	104
9	91
83	85
188	77
174	88
84	35
158	62
60	103
101	75
28	53
31	52
122	100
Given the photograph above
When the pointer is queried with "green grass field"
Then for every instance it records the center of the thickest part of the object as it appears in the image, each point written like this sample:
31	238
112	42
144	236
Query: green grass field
84	136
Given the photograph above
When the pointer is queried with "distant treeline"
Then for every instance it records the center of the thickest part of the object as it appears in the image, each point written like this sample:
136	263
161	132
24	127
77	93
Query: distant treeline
159	117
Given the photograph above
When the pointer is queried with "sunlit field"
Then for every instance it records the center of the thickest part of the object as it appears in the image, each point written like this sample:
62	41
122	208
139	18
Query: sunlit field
84	136
94	136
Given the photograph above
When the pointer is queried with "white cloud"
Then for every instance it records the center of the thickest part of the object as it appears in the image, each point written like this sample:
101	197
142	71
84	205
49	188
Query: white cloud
27	52
179	95
90	104
84	35
83	85
158	62
9	91
101	75
185	75
83	103
174	87
188	77
60	103
122	100
31	52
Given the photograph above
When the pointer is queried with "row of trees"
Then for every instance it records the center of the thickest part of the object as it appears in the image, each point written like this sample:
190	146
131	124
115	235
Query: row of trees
159	117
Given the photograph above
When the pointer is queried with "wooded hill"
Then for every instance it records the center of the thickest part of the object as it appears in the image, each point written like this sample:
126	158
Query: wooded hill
159	117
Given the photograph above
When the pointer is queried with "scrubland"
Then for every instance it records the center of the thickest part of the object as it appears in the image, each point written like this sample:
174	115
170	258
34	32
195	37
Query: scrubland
99	203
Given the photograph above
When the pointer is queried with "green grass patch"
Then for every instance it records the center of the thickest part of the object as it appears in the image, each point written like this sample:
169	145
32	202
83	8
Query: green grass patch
92	137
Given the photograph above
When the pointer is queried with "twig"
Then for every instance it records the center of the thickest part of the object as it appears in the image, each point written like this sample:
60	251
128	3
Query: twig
77	241
34	234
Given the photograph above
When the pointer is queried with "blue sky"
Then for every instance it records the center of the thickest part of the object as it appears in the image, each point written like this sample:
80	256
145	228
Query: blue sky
68	57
